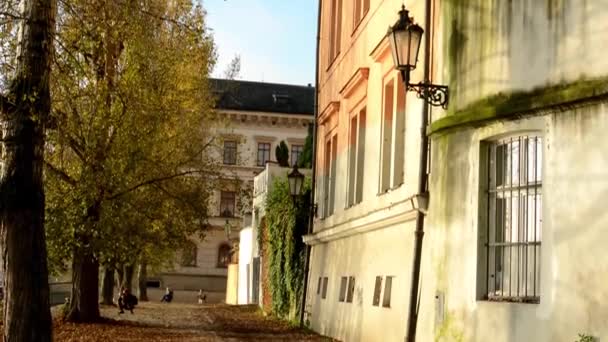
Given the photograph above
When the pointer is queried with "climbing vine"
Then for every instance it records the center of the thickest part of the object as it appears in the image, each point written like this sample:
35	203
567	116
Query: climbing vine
286	224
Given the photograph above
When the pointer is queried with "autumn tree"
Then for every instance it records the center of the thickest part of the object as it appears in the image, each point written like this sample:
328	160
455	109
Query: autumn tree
26	46
131	164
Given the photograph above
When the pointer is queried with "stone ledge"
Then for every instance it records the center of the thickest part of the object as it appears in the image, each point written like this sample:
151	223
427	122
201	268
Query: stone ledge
519	104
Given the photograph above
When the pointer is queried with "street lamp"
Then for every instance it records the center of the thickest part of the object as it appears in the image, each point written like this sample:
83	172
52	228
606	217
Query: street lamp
405	38
295	180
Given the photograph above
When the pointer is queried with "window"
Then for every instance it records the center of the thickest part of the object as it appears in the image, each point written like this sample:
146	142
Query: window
360	9
227	203
229	152
335	30
324	292
377	290
514	219
296	151
189	254
343	283
330	175
386	300
351	289
319	285
224	255
393	135
263	153
356	158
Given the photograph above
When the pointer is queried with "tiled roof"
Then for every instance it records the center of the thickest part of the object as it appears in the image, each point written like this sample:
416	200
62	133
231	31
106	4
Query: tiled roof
263	97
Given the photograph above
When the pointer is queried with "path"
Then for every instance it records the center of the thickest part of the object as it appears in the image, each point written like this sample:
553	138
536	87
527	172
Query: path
184	322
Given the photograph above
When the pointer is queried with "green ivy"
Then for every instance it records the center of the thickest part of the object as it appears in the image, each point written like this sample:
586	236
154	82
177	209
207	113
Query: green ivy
286	224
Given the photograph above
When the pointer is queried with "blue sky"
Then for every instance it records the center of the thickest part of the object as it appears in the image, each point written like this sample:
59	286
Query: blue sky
274	38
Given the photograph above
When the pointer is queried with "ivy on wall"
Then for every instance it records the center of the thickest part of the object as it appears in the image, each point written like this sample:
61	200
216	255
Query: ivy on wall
286	224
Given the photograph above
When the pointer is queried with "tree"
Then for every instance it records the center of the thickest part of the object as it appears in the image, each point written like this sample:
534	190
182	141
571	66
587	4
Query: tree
132	165
305	160
282	154
24	113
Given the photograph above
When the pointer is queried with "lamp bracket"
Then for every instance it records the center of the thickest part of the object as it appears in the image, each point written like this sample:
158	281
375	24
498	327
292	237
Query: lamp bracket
434	94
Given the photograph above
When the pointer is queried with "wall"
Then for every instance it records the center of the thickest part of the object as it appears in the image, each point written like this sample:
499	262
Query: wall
573	292
374	237
519	66
245	261
488	47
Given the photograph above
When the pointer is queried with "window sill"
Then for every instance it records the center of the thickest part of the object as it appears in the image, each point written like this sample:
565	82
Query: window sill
512	300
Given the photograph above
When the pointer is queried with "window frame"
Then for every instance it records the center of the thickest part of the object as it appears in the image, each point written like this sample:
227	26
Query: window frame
224	250
393	134
335	31
490	195
233	155
192	248
265	153
359	9
356	155
299	149
224	198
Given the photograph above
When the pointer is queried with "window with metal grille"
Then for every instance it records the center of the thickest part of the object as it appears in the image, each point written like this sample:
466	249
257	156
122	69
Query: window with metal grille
227	203
343	282
296	152
514	219
229	152
263	153
377	289
388	287
351	290
319	285
324	292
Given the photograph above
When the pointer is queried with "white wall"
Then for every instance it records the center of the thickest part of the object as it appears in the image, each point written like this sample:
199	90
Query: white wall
245	260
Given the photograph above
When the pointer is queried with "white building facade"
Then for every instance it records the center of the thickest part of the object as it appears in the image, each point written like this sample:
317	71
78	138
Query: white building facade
256	117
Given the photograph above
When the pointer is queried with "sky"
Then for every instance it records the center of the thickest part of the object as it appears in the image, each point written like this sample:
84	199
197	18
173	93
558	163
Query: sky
275	39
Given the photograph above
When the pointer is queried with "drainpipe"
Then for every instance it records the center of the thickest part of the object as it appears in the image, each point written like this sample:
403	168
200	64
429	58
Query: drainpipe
412	318
311	200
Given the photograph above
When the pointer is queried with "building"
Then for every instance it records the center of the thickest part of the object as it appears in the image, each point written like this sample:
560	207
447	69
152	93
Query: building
252	266
516	232
256	118
368	145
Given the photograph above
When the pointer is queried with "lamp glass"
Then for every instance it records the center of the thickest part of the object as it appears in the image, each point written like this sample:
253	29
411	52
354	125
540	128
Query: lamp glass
295	179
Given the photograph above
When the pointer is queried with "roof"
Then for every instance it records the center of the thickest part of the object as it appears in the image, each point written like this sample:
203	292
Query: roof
263	97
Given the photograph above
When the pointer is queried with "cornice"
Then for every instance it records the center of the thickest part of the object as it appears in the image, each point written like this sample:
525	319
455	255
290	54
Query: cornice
356	80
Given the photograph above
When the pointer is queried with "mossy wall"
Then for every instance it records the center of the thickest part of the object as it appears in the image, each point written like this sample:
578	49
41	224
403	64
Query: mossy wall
504	47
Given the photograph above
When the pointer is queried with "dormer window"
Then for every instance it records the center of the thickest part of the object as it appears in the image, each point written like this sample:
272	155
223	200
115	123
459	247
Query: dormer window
280	99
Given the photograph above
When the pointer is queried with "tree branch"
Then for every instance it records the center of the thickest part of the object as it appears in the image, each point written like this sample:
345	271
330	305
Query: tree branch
64	176
152	181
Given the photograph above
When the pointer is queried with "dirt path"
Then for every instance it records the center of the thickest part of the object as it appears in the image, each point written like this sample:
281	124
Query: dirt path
183	322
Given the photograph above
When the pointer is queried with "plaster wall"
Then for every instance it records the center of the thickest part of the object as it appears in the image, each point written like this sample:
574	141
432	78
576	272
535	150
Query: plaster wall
574	271
386	252
483	47
245	261
374	237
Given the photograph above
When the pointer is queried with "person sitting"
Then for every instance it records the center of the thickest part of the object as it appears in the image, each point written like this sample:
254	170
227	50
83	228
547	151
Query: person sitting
126	301
202	297
168	297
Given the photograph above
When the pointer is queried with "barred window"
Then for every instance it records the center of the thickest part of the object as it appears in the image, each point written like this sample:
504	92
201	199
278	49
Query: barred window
514	219
229	152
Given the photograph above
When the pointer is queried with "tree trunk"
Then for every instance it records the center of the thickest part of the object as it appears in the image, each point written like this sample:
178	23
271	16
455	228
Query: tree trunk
142	277
120	272
84	302
24	112
107	289
128	277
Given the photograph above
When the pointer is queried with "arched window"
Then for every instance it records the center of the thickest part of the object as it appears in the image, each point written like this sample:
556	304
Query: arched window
189	253
224	255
